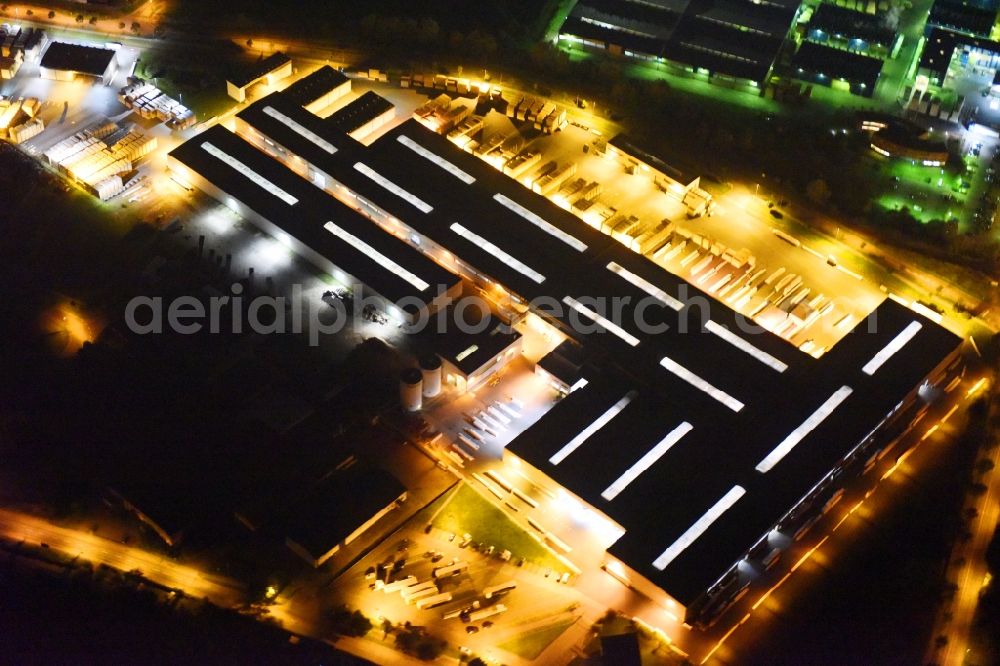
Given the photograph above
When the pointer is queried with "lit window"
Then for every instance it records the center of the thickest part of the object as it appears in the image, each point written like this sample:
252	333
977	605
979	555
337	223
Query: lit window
301	130
586	433
646	286
376	256
491	248
700	384
604	323
699	527
439	161
800	433
387	184
246	171
545	226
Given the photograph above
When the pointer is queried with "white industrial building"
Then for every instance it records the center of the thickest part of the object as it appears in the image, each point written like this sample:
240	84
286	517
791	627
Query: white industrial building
270	70
63	61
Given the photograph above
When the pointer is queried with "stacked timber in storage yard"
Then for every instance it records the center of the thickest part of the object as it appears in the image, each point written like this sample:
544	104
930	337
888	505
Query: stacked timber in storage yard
650	240
17	46
546	109
441	115
31	107
17	119
9	111
99	156
457	113
553	122
532	111
587	195
553	181
517	165
24	131
466	130
150	102
543	114
452	84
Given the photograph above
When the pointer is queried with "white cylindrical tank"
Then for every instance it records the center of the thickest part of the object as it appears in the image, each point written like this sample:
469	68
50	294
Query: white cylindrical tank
411	385
430	367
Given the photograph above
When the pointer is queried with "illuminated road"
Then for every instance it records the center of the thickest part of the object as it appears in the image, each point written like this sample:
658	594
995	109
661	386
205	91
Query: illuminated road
379	654
148	15
971	574
19	526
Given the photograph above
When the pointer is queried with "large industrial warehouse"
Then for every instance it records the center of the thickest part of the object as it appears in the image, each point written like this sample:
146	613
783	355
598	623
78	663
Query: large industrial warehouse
736	39
707	448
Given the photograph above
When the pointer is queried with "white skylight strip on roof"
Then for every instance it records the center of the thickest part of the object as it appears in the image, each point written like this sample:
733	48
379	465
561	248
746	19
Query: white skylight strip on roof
436	159
258	179
699	527
745	347
542	224
700	384
606	324
646	286
491	248
301	130
647	461
800	433
384	261
387	184
892	348
586	433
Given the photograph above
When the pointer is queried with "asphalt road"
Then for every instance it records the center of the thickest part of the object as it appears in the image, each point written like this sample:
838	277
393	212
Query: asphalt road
18	526
971	574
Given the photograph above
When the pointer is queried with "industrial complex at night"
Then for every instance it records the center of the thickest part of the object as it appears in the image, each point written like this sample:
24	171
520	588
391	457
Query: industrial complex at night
557	332
646	434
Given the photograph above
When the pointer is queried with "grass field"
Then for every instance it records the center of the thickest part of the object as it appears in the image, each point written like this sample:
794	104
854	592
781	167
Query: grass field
531	644
469	512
